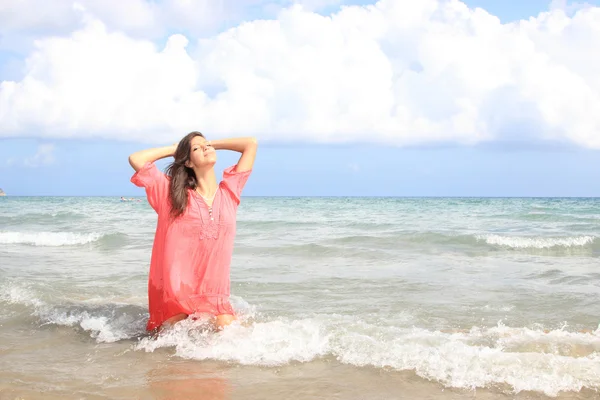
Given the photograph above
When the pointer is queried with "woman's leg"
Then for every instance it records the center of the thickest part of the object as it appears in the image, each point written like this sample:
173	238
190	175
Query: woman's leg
223	320
172	321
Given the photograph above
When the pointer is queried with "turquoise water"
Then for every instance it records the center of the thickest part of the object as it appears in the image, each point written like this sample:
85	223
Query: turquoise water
459	293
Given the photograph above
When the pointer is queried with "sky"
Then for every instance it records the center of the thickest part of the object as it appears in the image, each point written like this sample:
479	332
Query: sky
346	98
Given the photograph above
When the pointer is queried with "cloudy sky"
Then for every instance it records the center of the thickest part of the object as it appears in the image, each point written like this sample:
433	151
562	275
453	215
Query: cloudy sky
395	97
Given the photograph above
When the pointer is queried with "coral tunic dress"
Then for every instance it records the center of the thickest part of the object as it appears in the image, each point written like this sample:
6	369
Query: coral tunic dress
191	255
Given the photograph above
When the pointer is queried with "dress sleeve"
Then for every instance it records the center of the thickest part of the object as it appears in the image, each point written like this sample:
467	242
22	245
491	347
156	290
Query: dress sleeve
156	184
235	181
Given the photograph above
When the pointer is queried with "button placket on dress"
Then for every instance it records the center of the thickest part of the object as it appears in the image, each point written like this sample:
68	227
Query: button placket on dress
210	228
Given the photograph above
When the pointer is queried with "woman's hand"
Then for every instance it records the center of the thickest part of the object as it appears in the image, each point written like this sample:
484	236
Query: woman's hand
138	159
245	145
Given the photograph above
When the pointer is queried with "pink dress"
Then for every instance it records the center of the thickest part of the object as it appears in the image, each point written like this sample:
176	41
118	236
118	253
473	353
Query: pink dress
191	255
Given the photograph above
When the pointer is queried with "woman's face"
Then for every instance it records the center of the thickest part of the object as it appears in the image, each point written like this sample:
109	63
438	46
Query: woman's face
202	154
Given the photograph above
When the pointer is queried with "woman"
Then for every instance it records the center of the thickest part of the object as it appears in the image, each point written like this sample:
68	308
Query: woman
193	243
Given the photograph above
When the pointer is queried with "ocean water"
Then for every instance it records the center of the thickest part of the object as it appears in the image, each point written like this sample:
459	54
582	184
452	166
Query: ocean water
339	298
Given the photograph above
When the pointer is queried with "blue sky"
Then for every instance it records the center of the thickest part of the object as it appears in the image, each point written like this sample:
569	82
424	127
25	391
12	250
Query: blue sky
101	168
538	157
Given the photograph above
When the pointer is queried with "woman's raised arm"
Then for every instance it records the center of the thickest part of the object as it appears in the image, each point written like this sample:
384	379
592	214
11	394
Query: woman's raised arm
245	145
139	158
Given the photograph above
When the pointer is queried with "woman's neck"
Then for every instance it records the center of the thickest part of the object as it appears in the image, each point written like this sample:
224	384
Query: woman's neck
206	182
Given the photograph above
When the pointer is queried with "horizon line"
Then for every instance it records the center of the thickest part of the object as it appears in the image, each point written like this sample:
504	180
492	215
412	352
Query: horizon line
342	196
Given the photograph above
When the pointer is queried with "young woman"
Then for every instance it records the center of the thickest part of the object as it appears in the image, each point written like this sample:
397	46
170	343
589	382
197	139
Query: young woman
193	243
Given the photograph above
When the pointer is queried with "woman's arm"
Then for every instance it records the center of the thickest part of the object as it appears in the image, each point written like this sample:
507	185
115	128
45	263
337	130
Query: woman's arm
139	158
245	145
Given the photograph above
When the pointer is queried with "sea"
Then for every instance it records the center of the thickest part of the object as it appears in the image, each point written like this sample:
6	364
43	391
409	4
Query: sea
337	298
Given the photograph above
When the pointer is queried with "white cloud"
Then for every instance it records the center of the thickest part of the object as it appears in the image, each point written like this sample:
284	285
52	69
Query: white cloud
400	72
43	156
37	16
569	7
23	20
315	5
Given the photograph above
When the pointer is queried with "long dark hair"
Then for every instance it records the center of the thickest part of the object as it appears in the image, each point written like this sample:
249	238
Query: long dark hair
182	177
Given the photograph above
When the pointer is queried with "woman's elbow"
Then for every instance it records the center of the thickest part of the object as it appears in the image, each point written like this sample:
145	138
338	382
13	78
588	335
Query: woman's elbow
134	162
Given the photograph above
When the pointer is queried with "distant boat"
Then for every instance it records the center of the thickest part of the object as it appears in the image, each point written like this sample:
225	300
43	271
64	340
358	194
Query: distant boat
2	193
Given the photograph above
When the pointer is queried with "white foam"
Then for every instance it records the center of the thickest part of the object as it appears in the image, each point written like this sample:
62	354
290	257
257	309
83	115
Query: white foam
524	359
19	295
477	359
500	307
474	359
48	238
268	344
517	242
100	327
